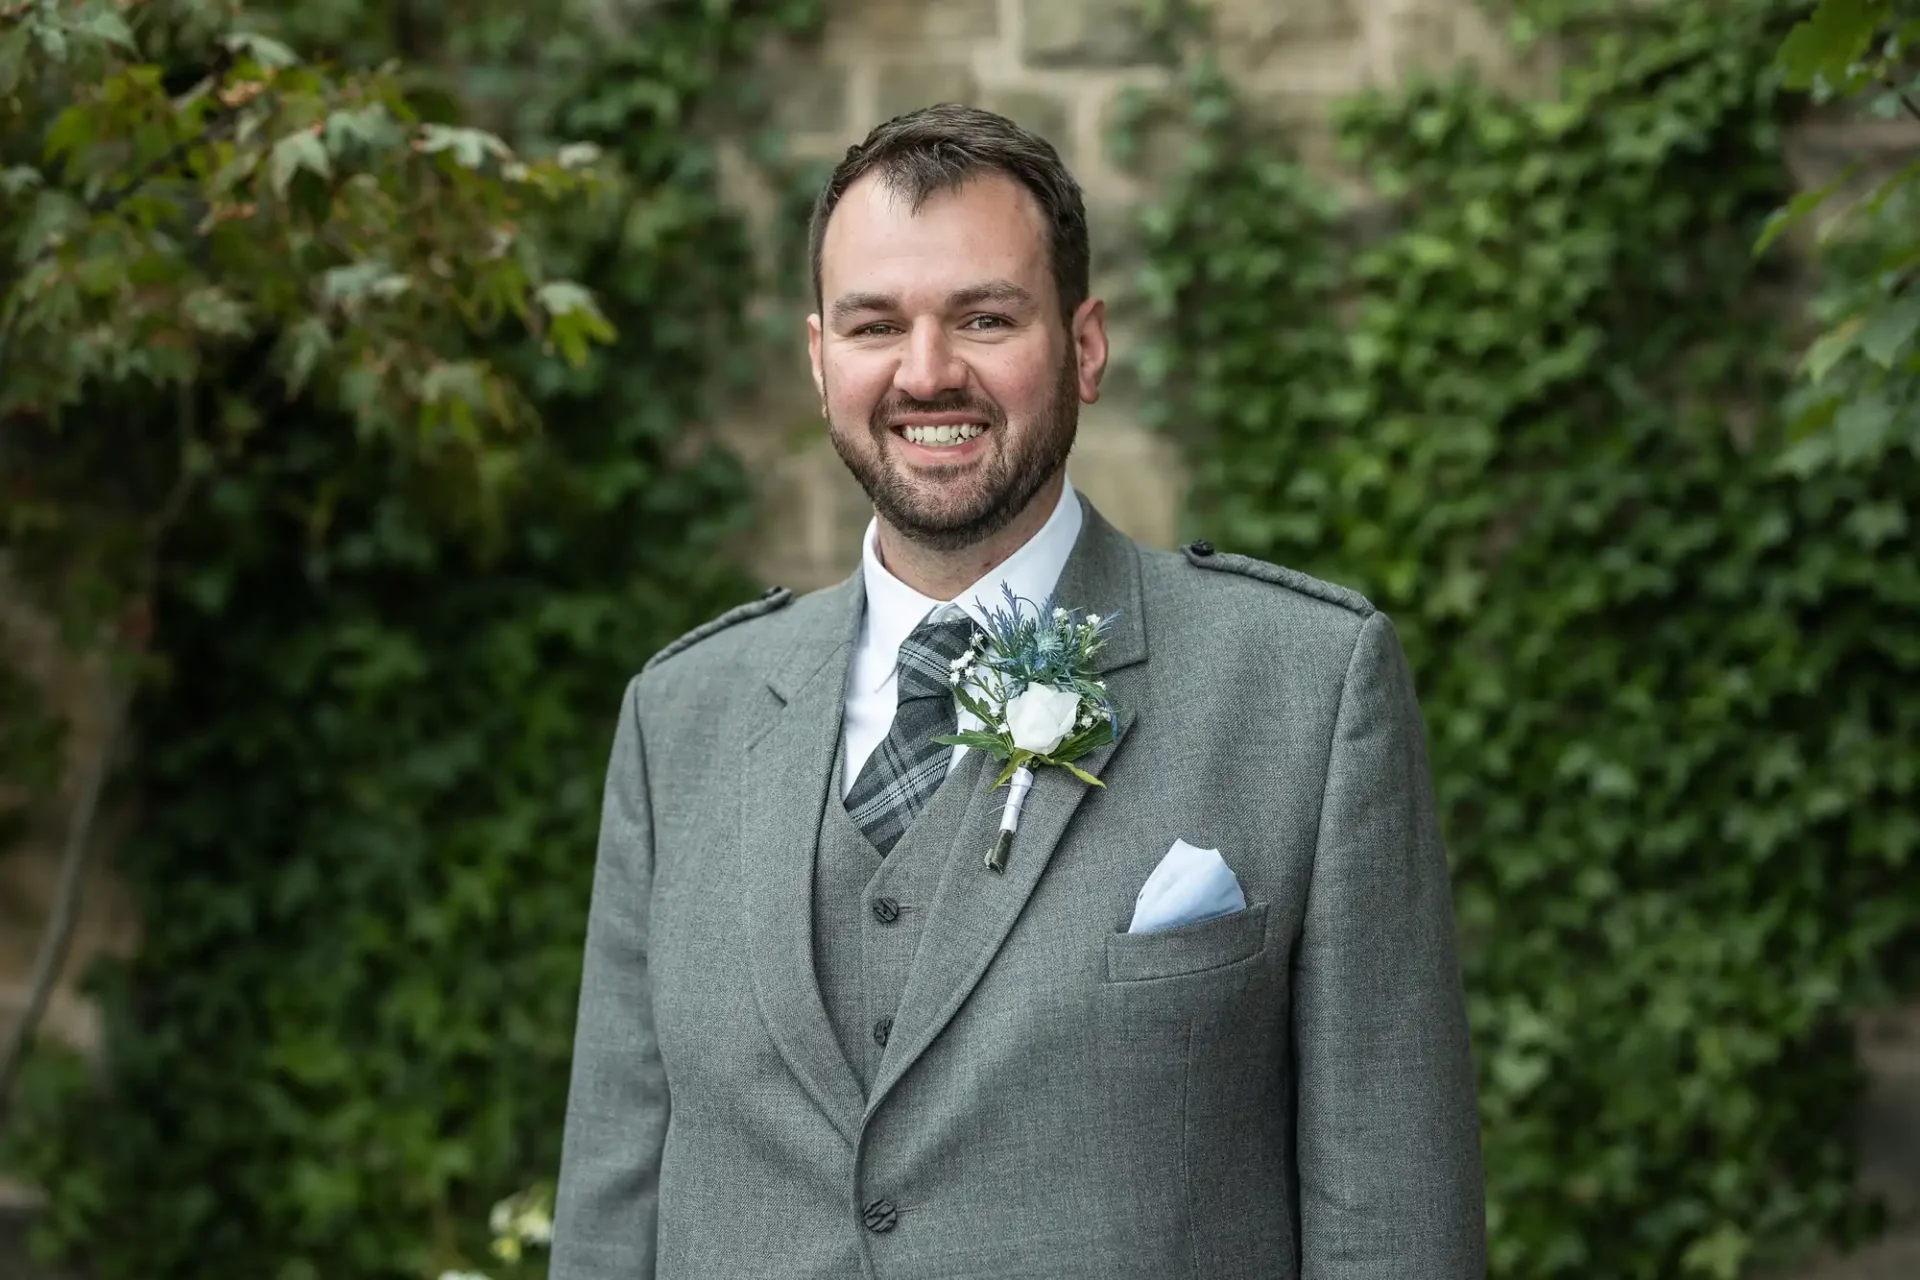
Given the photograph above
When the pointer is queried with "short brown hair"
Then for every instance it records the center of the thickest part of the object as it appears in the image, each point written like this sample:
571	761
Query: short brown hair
940	148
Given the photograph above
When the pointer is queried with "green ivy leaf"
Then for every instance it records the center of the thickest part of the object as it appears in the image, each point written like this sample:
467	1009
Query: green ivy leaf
299	150
215	312
1831	348
368	126
264	50
17	180
107	26
1826	43
576	319
470	147
306	343
1890	330
1862	427
1797	210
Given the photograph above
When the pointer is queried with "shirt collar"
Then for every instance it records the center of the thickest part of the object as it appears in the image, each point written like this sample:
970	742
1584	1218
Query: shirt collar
894	609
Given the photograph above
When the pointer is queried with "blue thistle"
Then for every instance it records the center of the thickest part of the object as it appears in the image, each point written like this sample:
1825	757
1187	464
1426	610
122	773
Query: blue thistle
1044	644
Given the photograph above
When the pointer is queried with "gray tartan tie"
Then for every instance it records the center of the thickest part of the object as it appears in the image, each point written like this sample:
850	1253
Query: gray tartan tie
908	765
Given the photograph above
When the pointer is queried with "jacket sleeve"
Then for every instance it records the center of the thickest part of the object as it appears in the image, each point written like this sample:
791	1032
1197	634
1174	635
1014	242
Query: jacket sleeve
617	1106
1388	1135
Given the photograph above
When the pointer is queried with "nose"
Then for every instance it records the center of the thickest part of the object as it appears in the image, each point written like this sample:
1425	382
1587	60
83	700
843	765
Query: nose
928	363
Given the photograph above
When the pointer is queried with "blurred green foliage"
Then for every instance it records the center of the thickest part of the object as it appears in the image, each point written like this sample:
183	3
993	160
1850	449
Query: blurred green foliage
199	227
368	771
1860	391
1528	396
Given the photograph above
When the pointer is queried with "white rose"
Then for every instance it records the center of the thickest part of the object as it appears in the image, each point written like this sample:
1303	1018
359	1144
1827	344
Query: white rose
1041	718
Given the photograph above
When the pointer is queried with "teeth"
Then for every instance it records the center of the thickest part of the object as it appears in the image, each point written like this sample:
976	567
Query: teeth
943	435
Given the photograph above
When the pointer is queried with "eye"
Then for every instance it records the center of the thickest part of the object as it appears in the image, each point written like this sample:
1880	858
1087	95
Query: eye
873	330
988	321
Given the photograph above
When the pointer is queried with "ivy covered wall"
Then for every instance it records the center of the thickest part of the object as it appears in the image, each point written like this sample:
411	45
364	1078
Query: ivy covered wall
1530	403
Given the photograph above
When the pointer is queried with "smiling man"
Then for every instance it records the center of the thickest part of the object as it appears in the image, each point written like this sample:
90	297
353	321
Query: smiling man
1203	1020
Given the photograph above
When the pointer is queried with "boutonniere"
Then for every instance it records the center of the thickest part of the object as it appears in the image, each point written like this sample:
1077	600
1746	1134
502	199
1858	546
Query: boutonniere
1029	680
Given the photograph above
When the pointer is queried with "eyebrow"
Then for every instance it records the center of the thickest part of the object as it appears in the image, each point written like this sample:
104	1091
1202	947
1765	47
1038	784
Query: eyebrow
1005	291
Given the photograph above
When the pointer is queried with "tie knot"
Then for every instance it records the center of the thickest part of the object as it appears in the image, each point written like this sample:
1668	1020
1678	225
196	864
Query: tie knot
928	654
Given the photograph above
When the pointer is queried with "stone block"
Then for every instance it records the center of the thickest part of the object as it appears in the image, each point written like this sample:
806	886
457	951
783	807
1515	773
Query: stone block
1134	476
1425	40
884	20
811	513
961	19
1041	113
810	96
906	87
905	21
1113	235
1084	33
1158	137
1263	23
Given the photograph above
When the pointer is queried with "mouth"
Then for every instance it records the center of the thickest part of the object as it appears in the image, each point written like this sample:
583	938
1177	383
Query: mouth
942	435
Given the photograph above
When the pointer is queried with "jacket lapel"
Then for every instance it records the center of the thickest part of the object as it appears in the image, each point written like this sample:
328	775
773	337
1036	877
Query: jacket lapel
973	909
783	788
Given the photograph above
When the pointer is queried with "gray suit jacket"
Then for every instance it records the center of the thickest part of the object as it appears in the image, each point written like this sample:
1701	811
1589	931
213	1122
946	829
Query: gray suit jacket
1283	1092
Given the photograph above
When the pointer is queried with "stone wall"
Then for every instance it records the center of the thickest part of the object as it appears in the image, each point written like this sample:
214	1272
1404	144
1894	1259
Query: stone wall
1059	67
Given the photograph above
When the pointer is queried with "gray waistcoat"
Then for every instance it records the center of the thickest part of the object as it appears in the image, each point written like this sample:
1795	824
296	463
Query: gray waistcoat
860	956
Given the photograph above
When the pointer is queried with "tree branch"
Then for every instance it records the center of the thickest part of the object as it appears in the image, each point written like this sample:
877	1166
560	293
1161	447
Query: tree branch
51	957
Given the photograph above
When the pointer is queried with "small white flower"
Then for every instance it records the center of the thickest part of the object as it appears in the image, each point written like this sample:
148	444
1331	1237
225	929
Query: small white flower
953	677
1059	613
1093	619
957	663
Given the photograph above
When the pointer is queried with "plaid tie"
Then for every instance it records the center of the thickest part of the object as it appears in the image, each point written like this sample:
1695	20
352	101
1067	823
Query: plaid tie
908	766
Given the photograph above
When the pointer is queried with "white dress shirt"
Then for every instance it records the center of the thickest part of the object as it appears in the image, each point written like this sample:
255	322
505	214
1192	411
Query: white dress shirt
894	609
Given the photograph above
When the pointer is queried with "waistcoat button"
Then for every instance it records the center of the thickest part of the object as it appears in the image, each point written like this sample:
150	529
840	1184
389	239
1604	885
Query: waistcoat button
886	910
880	1216
881	1030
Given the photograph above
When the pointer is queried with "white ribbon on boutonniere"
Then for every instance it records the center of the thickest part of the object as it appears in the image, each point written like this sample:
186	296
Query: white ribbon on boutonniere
1029	680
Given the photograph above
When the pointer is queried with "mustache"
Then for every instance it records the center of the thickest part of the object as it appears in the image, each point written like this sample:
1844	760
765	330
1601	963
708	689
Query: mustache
956	401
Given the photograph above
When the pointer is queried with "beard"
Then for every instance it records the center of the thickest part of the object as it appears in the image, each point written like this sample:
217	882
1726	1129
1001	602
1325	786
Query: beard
1017	469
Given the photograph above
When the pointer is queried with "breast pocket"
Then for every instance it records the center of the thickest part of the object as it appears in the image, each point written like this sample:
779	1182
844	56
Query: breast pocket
1188	948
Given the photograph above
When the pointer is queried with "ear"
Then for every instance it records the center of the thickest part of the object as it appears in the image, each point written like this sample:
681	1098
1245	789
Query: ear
1089	335
813	354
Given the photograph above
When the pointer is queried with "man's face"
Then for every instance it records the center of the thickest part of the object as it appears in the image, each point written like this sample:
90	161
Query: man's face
950	383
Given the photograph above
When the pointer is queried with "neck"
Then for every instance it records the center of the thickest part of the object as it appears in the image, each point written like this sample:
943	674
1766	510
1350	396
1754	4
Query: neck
943	575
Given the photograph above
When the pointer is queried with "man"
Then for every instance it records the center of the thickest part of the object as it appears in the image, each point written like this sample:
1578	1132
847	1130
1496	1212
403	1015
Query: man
820	1037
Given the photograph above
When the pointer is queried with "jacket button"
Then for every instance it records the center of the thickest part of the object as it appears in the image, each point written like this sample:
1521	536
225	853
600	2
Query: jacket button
1201	548
886	910
881	1030
880	1216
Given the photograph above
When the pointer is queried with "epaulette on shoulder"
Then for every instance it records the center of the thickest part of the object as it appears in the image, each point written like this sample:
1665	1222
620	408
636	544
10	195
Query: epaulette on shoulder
1202	555
775	598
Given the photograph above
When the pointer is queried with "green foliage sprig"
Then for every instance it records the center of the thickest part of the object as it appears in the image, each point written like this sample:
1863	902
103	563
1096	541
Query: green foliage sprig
1527	395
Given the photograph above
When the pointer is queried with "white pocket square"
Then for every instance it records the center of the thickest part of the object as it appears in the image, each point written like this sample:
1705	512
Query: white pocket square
1188	886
